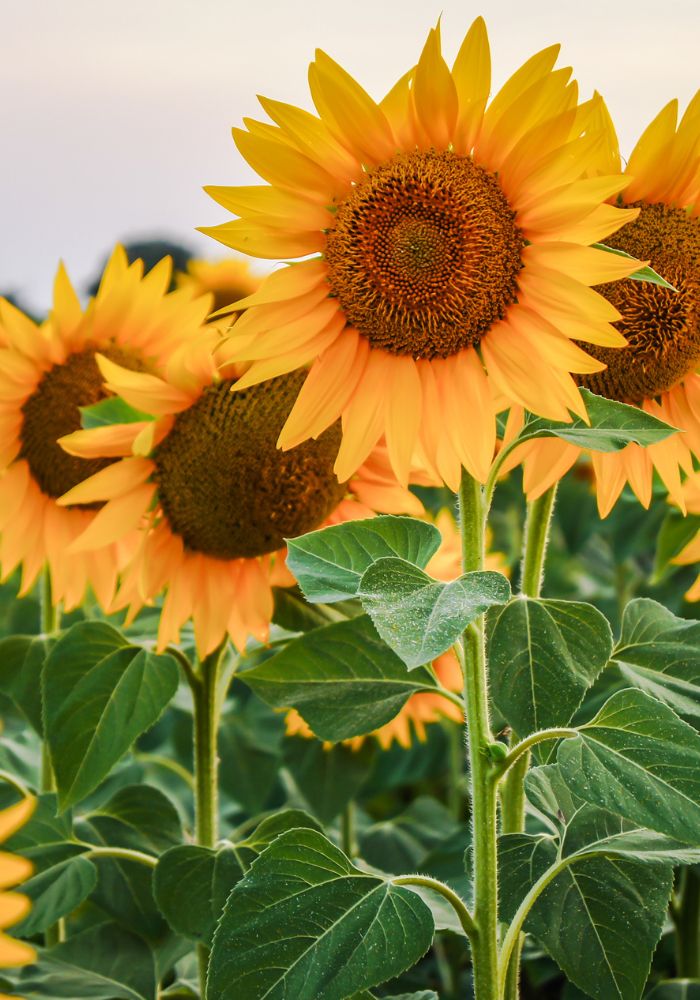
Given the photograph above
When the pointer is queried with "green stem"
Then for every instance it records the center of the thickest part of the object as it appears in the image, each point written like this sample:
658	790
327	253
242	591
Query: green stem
208	685
484	941
523	748
686	917
455	901
50	623
539	517
120	853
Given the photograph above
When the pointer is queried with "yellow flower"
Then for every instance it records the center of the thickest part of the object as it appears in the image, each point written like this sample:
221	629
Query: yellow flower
422	708
454	242
13	869
227	280
46	373
220	496
657	371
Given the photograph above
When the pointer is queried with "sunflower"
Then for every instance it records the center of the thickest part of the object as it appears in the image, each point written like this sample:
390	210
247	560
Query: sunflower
219	495
450	265
47	372
422	708
227	280
13	869
657	370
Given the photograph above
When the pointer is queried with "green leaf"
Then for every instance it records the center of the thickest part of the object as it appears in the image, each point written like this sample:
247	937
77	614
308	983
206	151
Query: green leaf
329	563
102	963
599	919
56	892
125	888
602	914
100	694
676	989
612	426
420	617
191	885
306	922
677	530
21	661
328	778
660	654
645	273
45	839
637	759
342	678
272	826
543	657
139	817
112	410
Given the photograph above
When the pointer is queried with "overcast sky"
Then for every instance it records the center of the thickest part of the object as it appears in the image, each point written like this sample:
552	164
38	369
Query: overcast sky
114	114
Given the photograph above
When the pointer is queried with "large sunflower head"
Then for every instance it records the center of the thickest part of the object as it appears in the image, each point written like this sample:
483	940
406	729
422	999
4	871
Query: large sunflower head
220	496
227	280
47	373
657	370
452	254
13	905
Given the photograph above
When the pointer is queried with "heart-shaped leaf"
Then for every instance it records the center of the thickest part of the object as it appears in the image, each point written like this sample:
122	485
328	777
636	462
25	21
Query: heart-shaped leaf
100	694
342	678
420	617
637	759
329	563
543	657
305	922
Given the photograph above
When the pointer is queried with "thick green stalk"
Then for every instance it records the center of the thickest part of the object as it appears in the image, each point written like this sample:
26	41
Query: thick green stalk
483	778
50	623
539	516
208	685
686	917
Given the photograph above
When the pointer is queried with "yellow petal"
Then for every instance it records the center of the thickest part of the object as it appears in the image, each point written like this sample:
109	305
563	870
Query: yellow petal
283	166
103	442
14	817
113	481
115	520
435	94
648	156
263	241
471	73
586	265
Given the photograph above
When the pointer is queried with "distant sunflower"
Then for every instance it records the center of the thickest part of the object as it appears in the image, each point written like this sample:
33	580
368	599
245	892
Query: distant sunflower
219	495
424	707
227	280
13	905
453	241
47	372
658	370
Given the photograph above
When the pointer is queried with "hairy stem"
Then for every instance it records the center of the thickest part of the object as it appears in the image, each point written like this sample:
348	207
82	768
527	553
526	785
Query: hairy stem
50	623
537	524
455	901
208	685
483	778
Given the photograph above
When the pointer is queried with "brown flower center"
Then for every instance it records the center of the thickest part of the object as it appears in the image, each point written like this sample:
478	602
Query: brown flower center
226	488
53	411
662	327
424	254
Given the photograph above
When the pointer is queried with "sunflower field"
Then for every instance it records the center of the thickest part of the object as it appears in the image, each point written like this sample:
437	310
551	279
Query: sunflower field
348	638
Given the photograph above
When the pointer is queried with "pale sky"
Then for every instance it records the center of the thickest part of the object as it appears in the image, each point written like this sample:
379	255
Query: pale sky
114	114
